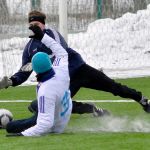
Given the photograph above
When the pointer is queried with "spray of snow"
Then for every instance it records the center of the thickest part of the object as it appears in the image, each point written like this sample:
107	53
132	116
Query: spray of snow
112	124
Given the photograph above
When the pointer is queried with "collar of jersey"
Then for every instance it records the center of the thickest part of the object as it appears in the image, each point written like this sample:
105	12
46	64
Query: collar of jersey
46	75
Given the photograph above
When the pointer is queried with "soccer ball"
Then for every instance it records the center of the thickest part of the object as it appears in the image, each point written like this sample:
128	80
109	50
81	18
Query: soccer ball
5	117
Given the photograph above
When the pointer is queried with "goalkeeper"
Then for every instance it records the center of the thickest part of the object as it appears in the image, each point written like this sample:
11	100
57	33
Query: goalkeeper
81	74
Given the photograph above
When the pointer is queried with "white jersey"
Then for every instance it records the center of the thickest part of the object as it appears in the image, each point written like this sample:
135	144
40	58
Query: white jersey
54	102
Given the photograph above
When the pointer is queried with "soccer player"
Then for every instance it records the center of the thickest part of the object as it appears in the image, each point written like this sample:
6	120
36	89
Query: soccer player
81	74
53	95
75	62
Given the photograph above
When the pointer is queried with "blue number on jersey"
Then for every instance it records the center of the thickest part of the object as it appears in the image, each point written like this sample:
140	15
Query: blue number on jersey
65	102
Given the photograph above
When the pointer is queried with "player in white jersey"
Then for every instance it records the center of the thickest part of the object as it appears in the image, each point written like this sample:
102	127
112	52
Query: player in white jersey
54	102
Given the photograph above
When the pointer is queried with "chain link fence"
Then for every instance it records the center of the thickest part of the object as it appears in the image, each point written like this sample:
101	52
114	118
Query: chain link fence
13	18
102	47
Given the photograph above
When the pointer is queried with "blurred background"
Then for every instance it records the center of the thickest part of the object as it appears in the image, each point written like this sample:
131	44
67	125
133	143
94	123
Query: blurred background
80	13
113	35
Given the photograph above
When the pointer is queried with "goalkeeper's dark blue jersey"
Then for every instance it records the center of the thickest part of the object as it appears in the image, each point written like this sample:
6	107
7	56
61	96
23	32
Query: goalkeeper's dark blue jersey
34	46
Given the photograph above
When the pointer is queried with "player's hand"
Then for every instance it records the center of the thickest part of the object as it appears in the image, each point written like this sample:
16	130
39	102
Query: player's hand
5	82
38	33
14	134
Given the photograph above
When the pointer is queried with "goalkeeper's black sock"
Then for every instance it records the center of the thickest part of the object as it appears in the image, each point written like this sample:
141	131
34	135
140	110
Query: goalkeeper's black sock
81	108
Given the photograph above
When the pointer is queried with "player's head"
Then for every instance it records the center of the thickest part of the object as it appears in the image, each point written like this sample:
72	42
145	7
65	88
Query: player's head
41	63
37	18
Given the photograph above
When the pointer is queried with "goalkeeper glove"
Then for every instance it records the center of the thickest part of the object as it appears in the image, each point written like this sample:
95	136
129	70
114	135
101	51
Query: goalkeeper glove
38	33
5	82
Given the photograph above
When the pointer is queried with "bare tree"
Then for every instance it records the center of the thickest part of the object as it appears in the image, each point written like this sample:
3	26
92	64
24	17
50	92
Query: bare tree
140	4
4	14
117	8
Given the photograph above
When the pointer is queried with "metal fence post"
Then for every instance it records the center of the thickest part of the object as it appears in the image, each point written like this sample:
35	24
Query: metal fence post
99	9
35	4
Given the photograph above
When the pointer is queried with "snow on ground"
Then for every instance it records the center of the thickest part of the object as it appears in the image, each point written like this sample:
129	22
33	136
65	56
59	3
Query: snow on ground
121	46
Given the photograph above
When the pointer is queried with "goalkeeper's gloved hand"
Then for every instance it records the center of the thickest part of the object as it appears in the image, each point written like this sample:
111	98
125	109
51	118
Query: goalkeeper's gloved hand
5	82
14	134
38	33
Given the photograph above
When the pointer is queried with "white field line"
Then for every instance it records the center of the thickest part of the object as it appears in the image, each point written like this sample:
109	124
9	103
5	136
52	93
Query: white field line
86	101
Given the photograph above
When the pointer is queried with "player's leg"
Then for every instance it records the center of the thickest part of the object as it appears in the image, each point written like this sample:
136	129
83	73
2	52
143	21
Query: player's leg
33	107
81	108
92	78
78	108
17	126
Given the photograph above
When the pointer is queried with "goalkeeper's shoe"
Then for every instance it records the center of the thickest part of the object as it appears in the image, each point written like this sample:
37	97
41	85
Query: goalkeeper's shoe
145	104
99	112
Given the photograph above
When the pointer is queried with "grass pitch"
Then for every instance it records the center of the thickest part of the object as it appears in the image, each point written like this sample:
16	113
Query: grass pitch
127	129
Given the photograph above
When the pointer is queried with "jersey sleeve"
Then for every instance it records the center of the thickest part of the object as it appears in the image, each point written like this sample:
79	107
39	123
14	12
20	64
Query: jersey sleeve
56	48
22	75
61	56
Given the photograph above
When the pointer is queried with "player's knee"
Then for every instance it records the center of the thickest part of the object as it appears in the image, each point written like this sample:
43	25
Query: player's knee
9	127
33	107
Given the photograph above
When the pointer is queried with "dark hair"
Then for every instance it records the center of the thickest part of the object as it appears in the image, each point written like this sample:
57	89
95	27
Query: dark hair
36	16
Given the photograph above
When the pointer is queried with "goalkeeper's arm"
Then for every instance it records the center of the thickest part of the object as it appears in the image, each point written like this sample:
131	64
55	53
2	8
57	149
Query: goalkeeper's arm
14	80
18	78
